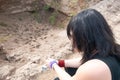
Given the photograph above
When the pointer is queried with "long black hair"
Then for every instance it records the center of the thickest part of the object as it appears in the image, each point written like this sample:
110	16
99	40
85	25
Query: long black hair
92	35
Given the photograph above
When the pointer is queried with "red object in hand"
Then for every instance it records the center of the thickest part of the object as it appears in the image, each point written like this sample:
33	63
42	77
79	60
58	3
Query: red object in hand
61	63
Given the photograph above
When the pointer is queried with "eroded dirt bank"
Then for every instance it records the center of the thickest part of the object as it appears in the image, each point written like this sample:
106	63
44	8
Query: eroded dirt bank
28	41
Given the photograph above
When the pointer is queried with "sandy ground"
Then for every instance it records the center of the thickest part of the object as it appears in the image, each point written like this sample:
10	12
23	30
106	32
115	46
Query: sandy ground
22	32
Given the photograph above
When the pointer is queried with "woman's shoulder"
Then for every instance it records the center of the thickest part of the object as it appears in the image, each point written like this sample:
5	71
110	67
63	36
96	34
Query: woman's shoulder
94	70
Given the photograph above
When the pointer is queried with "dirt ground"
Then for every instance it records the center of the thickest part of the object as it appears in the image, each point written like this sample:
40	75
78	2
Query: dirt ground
23	33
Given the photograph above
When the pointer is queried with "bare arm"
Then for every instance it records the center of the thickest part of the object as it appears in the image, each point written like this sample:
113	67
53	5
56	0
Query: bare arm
61	73
91	70
74	63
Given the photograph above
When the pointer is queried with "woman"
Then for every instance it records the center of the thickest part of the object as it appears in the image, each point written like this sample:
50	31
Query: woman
90	35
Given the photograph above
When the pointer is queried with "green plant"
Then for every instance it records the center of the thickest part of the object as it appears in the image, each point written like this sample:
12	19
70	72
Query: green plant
46	7
3	24
36	16
52	18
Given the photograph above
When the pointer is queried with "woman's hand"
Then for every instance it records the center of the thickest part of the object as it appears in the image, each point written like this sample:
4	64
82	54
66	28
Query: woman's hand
50	62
